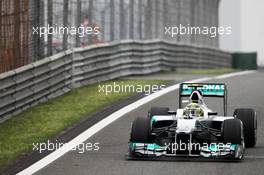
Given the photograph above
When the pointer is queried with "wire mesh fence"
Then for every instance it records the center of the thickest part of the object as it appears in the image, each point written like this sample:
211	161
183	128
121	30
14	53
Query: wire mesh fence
68	24
14	32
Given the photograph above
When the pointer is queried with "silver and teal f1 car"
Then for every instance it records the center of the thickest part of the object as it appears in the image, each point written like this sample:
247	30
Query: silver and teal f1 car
194	130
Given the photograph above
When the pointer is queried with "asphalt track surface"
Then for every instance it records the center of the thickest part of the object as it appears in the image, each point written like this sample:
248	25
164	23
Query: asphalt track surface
243	91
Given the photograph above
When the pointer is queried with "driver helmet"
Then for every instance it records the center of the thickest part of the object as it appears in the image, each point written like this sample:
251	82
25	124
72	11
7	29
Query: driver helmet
193	110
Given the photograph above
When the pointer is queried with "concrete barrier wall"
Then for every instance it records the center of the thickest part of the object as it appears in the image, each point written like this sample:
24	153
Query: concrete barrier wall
40	81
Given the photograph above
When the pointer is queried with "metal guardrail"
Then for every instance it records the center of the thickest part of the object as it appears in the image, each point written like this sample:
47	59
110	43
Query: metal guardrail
40	81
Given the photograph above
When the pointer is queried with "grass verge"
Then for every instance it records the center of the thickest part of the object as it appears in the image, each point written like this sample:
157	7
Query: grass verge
48	119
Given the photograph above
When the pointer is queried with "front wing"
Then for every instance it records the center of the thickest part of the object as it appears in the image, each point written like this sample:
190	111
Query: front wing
145	150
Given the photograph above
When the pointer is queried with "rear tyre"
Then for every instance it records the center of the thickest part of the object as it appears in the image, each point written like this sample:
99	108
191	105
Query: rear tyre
232	131
249	120
140	132
158	111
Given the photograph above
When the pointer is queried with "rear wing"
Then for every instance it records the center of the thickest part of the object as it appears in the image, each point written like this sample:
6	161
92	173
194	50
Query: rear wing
207	90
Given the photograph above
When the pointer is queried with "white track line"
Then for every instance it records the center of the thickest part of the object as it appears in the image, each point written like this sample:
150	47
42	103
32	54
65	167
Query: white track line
103	123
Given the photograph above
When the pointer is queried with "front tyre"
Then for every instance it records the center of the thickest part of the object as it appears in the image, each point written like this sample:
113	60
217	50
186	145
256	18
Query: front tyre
140	132
232	133
249	120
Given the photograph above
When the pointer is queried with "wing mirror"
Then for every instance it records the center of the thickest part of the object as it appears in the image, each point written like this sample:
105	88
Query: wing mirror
212	113
172	112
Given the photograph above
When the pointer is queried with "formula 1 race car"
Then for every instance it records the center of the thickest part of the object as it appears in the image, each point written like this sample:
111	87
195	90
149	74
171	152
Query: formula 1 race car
194	130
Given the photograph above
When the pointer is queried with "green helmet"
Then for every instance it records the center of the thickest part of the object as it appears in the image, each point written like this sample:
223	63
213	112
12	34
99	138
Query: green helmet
193	110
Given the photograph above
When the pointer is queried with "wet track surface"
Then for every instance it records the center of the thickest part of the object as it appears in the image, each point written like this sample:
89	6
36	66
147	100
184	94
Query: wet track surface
243	91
